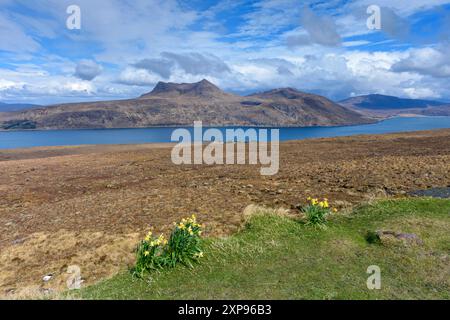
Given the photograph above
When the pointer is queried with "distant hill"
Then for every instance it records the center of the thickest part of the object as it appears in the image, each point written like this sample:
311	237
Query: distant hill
11	107
172	104
382	102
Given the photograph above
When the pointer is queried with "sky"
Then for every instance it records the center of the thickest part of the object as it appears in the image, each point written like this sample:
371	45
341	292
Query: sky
124	47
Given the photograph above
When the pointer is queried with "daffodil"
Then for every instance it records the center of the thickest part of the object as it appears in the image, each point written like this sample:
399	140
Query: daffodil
199	255
148	237
146	253
161	239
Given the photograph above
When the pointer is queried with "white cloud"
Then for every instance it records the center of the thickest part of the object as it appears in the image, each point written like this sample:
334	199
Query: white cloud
13	38
137	77
87	70
425	61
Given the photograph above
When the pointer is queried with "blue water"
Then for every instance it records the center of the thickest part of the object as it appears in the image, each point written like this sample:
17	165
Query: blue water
26	139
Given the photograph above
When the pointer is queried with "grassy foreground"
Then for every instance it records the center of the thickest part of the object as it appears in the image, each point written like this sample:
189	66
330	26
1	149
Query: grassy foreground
277	257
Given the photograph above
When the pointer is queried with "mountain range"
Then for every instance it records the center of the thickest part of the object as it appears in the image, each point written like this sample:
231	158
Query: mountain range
172	104
377	105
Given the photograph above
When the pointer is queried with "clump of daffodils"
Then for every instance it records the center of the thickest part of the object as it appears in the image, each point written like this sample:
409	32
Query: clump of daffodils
185	241
317	211
189	225
183	246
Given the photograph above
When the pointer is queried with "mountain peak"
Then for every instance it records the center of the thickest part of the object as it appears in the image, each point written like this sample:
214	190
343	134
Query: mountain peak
203	88
286	93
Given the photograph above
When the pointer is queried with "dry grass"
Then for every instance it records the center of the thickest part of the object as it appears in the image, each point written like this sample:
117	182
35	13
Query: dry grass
99	256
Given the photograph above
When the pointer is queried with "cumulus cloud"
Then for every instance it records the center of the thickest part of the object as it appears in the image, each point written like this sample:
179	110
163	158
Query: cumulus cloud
161	67
198	64
426	61
87	70
137	77
320	30
193	64
281	66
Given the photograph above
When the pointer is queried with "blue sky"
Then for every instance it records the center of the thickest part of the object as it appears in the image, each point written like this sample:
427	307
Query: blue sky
124	47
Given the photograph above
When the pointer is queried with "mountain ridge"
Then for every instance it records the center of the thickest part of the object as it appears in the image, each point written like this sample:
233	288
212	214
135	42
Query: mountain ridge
180	104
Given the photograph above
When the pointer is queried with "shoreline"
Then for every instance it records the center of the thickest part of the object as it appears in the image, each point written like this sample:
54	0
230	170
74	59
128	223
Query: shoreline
334	131
190	126
82	149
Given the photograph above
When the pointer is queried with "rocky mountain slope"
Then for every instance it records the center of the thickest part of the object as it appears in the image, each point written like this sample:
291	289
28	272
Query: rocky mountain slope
11	107
171	104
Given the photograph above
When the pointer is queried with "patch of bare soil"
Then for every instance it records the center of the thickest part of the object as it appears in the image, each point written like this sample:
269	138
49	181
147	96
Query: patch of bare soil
87	206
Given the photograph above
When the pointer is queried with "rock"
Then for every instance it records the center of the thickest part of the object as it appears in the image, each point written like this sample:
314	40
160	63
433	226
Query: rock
47	278
389	236
18	241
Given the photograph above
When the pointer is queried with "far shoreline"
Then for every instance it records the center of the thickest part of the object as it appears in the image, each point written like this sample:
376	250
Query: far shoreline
113	147
205	126
375	121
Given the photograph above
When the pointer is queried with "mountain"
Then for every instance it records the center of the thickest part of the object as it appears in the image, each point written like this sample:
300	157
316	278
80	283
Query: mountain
382	102
384	106
202	89
307	109
172	104
11	107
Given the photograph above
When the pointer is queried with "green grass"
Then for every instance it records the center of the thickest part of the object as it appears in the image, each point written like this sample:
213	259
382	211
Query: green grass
280	258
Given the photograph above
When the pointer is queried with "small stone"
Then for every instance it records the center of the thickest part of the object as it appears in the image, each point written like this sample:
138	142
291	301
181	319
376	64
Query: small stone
47	278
